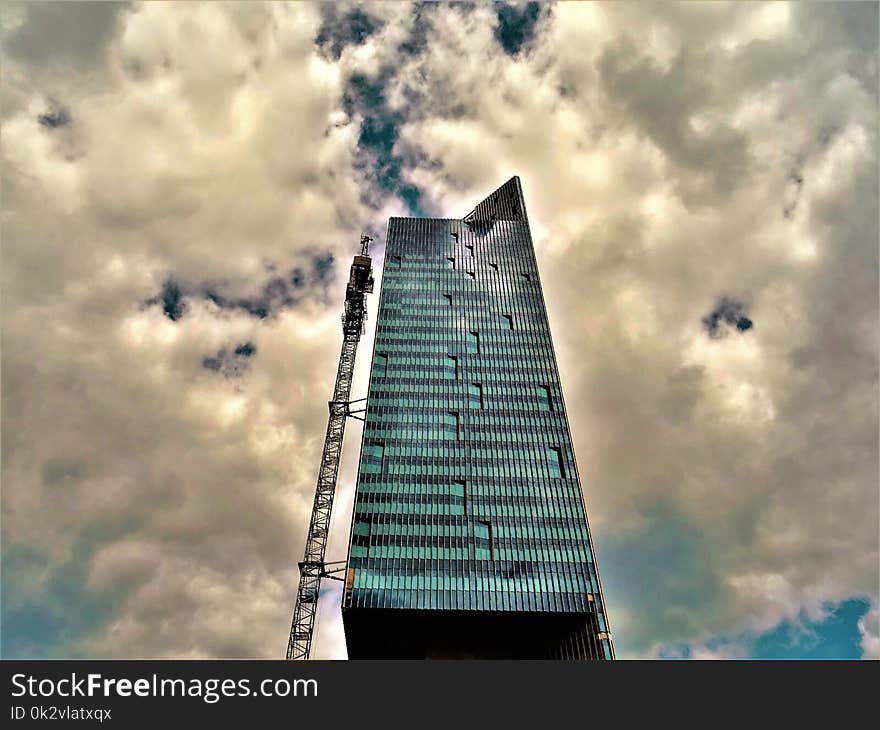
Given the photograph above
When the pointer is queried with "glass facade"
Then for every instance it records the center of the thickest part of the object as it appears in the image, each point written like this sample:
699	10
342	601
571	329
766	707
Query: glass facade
469	528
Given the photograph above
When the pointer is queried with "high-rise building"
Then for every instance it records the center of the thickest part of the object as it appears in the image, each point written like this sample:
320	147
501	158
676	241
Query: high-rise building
469	535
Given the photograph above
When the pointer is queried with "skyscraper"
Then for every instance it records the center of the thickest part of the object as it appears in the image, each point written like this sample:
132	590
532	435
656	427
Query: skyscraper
469	535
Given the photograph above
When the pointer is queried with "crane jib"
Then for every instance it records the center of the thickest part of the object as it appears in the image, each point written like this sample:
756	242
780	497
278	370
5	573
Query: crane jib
313	566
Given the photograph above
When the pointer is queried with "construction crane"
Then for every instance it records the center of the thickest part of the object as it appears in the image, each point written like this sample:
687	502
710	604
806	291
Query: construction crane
313	567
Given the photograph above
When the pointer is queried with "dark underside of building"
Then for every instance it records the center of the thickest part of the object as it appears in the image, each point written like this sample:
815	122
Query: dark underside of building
413	634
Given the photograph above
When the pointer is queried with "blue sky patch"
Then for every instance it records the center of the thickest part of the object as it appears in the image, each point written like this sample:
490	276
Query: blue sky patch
231	364
418	37
727	311
516	25
836	636
667	561
49	621
55	117
278	292
378	135
171	299
338	31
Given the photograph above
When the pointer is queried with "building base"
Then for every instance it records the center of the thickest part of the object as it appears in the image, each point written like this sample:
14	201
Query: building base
372	633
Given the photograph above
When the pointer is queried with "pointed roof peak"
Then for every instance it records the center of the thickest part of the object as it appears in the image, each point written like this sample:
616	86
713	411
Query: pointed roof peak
504	203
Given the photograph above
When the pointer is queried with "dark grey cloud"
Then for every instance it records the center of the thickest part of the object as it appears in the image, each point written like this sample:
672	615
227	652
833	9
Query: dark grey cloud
847	30
70	33
63	472
792	193
662	103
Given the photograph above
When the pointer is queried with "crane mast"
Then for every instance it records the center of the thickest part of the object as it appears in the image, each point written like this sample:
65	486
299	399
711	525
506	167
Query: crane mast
313	566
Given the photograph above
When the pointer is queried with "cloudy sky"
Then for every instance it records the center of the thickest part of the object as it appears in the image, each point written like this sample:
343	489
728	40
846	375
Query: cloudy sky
183	187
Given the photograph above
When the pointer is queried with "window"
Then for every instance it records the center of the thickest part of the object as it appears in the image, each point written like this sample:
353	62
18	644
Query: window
361	528
360	543
450	425
448	298
508	320
483	540
493	265
555	463
459	496
525	275
374	457
380	365
395	262
470	248
545	399
451	260
472	274
451	369
475	395
454	235
473	342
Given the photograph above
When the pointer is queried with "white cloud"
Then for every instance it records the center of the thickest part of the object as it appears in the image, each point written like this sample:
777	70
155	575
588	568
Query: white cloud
869	629
731	483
